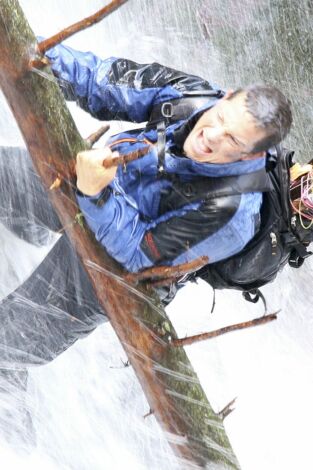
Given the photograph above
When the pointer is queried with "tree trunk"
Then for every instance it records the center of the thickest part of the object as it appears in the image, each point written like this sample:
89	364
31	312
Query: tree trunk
136	316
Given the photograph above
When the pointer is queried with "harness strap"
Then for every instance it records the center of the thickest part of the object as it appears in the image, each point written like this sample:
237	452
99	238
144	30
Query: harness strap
161	143
180	108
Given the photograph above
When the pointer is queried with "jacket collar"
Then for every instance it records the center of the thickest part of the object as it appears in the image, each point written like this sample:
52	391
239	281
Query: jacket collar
187	166
183	129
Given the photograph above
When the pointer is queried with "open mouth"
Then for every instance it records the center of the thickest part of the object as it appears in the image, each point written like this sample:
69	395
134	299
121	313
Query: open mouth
203	144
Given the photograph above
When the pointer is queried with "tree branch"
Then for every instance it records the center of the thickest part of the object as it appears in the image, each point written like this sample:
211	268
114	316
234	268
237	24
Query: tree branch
167	273
49	43
222	331
126	158
95	136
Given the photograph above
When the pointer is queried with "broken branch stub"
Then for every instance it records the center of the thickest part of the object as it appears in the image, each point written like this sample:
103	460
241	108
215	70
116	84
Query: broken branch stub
95	136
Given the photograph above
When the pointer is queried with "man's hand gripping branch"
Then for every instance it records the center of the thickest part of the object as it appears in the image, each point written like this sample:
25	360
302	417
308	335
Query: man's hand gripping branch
96	169
92	176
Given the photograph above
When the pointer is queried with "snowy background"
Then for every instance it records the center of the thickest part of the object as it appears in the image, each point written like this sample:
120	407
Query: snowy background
87	409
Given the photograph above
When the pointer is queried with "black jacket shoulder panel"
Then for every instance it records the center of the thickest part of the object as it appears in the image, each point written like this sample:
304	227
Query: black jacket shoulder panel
171	238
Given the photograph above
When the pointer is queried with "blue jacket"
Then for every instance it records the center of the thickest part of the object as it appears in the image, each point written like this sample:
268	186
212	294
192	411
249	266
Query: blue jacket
134	218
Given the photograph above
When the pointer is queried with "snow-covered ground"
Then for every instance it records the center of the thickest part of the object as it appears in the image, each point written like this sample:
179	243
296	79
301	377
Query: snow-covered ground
87	408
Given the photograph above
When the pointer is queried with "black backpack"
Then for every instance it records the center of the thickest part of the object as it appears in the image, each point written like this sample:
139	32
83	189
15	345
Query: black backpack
280	238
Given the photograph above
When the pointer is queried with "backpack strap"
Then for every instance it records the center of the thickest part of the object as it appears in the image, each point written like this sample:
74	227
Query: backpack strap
209	188
253	296
284	162
161	144
291	237
257	181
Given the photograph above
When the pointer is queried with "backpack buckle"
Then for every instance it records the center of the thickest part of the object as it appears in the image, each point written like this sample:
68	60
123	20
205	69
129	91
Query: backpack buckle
167	110
298	256
252	295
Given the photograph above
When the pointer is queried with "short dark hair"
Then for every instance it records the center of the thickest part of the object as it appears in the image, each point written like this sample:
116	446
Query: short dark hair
271	111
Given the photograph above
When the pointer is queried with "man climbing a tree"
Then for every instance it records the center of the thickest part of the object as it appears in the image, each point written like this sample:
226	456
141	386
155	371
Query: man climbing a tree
167	207
135	211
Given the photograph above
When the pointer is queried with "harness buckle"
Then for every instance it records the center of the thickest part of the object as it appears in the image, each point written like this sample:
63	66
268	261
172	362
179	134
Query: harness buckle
167	110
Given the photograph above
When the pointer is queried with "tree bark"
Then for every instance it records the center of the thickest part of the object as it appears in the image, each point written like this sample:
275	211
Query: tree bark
165	373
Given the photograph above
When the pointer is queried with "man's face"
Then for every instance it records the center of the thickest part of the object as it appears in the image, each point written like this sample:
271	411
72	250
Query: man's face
225	133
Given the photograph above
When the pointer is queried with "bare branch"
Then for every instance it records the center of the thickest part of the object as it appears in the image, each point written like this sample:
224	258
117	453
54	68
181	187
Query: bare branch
95	136
227	329
47	44
151	412
168	273
227	409
126	158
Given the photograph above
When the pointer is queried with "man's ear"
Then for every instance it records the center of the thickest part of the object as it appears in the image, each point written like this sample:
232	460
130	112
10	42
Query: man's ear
254	156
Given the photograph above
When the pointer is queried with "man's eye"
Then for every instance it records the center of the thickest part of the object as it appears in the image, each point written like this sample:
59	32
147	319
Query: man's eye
233	141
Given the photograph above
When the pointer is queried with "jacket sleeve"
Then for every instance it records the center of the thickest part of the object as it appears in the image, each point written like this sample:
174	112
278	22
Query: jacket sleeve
118	88
138	244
